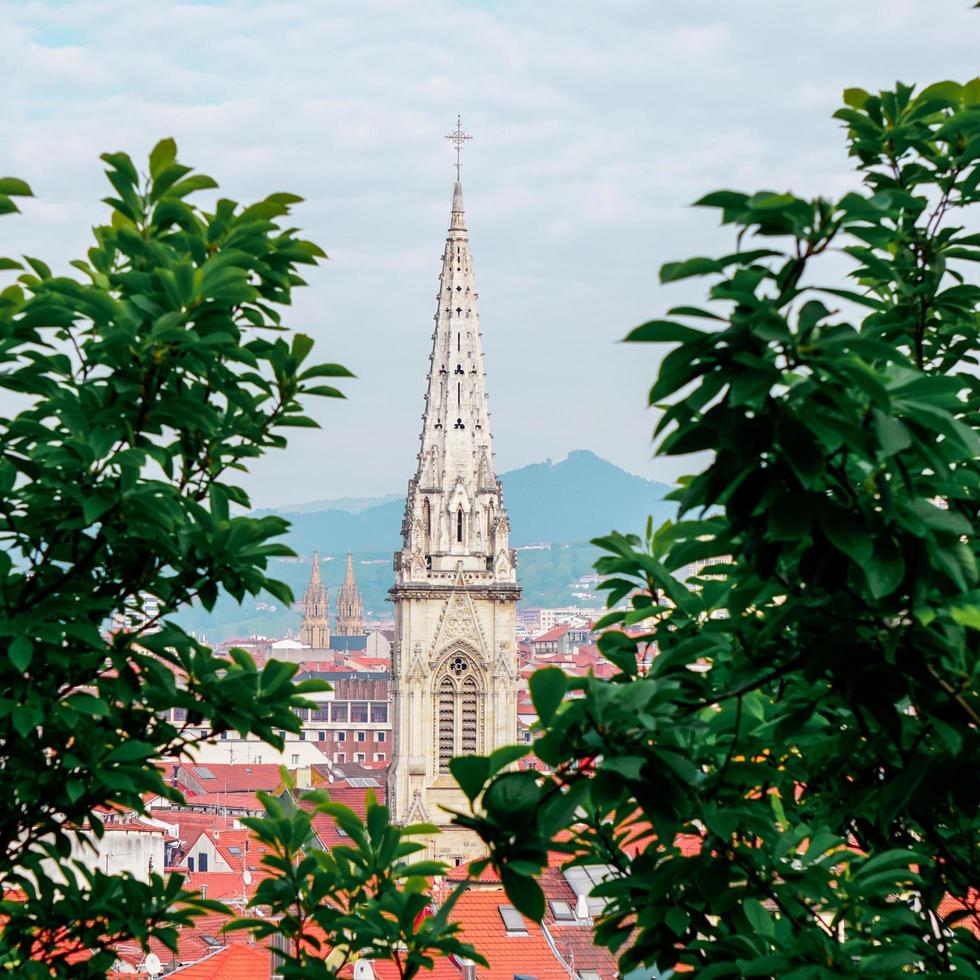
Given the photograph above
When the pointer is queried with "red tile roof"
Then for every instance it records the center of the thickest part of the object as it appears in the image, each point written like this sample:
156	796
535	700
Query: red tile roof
554	634
222	885
190	824
478	912
949	905
223	777
236	962
245	801
193	942
355	797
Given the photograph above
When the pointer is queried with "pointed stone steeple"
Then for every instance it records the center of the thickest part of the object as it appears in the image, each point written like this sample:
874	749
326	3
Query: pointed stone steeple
315	631
454	660
455	516
350	615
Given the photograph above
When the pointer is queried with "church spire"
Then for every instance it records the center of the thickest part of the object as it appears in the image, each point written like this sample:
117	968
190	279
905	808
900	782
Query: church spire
315	630
350	615
454	660
455	516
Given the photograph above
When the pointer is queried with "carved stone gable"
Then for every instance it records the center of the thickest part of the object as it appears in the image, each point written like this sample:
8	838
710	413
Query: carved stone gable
459	622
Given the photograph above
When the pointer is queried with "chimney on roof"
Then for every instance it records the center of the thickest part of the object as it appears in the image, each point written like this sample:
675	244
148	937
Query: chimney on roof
582	908
363	970
469	969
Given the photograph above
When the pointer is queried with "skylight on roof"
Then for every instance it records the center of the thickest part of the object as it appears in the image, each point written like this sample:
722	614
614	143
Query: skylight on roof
203	772
234	849
562	911
363	782
583	879
513	920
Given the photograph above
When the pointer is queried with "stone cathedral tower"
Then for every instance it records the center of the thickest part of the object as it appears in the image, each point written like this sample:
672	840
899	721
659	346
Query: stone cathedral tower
454	666
315	629
350	613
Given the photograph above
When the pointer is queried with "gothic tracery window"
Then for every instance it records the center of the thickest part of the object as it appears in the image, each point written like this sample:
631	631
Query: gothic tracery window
459	711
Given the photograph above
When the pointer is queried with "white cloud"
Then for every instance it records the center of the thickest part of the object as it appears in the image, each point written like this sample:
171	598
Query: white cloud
596	125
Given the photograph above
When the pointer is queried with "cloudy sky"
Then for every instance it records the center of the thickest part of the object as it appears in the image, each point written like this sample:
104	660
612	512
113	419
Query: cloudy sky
596	125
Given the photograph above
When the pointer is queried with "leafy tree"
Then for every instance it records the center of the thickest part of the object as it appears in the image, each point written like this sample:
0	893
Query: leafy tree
789	788
330	907
142	387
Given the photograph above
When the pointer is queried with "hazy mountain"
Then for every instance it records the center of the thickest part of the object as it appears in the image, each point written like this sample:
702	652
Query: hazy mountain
573	500
562	504
353	505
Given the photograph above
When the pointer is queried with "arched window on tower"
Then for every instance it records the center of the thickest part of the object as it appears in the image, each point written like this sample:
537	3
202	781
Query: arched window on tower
459	711
426	526
446	722
459	525
469	710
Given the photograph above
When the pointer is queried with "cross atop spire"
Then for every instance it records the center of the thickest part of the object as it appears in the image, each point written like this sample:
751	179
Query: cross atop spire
458	138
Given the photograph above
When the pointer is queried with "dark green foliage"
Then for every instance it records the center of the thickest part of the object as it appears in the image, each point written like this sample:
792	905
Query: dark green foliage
142	386
808	728
360	899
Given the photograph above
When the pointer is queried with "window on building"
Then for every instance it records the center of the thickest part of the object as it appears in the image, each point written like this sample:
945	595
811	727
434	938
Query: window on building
295	760
321	736
380	736
583	879
180	714
302	736
202	861
360	736
359	711
320	714
468	712
224	735
445	718
338	711
379	713
459	711
513	920
340	757
341	736
380	757
190	864
359	757
459	525
301	713
562	912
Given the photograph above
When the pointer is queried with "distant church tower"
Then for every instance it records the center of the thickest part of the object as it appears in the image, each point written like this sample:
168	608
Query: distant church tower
315	631
454	663
350	614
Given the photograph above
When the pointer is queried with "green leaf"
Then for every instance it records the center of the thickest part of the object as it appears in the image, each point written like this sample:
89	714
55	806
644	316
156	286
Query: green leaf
885	569
15	187
547	687
21	651
673	271
504	756
856	97
892	434
846	532
663	331
471	772
161	156
524	892
965	610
